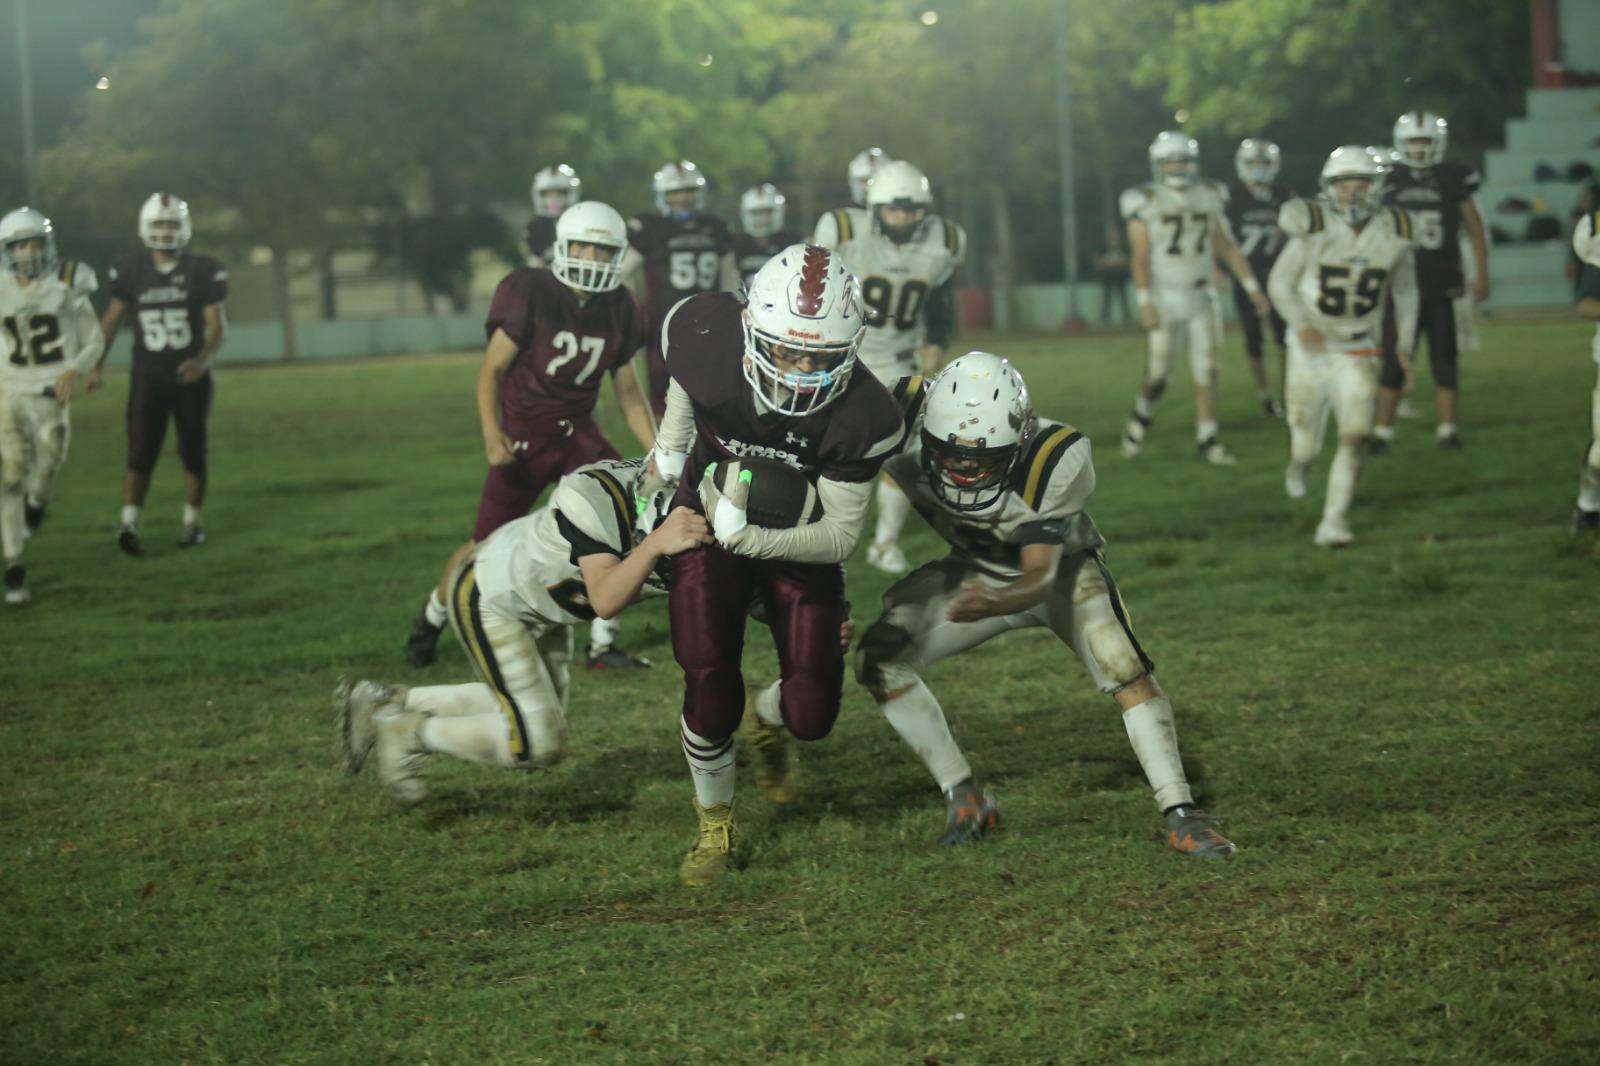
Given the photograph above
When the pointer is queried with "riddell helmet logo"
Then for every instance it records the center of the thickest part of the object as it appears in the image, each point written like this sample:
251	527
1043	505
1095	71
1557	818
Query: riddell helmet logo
813	281
804	335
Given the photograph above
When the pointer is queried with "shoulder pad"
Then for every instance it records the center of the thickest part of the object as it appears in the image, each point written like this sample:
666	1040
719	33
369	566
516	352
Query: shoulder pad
909	392
955	240
1300	217
79	276
843	225
1402	223
599	502
1133	200
1051	442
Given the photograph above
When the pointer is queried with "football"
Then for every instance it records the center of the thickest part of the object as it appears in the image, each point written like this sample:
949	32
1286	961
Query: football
781	497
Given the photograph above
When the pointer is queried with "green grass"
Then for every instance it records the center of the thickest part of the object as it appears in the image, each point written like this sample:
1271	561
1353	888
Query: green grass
1401	736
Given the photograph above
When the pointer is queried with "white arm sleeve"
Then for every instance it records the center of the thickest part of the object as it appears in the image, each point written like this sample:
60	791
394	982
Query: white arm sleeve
1282	284
87	325
676	432
1404	290
830	539
732	280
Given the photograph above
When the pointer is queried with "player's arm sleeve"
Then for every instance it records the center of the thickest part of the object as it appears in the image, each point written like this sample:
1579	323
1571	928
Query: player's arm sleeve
511	309
217	289
87	326
1282	284
1404	291
676	431
830	539
731	279
121	284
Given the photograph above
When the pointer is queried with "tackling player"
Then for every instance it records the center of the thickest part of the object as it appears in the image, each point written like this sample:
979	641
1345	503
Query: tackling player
553	337
513	600
773	377
1345	255
50	336
681	250
177	299
1175	227
554	190
906	259
1253	200
1586	242
761	211
1007	491
1438	197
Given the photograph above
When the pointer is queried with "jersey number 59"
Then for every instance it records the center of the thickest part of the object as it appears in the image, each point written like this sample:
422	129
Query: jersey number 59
1334	299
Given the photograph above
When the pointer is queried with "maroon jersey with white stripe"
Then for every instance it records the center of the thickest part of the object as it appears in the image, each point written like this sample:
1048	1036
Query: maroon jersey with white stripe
845	441
564	348
168	306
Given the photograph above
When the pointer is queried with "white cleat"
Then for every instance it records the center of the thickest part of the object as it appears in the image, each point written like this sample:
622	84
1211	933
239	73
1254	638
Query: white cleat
354	705
1332	534
1294	481
1213	451
399	753
1132	438
887	556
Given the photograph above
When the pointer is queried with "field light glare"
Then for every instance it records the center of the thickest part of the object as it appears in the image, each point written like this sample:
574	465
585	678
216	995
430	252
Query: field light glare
706	60
103	84
929	18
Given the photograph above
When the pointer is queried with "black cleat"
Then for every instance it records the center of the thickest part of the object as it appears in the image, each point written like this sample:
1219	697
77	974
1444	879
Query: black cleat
1451	442
17	585
128	540
1272	407
615	658
422	646
1377	446
1585	522
192	536
32	516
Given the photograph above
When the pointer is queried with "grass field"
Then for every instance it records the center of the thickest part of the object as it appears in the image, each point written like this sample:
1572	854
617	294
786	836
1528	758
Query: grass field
1402	737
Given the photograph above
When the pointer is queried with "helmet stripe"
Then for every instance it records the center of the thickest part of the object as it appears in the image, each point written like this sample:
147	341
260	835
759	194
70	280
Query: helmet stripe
813	280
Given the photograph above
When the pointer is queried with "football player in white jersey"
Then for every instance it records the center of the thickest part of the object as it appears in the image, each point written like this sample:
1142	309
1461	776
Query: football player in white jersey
1176	229
1007	490
1345	252
905	258
51	337
855	218
514	599
1586	242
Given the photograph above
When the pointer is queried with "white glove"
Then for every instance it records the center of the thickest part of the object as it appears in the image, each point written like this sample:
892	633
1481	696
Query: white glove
726	512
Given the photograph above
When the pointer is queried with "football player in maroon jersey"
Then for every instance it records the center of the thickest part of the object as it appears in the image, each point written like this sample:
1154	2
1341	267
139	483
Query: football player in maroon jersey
762	236
177	298
773	377
680	250
1438	197
554	334
554	190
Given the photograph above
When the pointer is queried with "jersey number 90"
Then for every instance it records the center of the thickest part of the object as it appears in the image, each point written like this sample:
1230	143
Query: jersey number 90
884	309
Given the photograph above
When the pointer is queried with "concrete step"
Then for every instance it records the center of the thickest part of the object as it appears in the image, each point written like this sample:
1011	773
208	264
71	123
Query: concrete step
1560	104
1551	136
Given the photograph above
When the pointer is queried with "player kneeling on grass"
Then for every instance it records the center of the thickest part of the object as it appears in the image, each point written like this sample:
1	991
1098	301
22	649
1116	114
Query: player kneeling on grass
1329	283
513	601
1007	491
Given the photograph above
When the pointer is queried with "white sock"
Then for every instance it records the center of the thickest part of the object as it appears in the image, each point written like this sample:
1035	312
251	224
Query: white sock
1589	480
711	764
767	706
1446	429
191	515
1205	429
436	612
479	738
1143	407
602	634
130	515
1383	432
34	501
892	507
13	524
453	701
916	716
1154	736
1341	482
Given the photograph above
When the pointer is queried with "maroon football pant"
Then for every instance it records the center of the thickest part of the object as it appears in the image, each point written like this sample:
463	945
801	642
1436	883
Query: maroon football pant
806	607
156	397
510	492
1436	317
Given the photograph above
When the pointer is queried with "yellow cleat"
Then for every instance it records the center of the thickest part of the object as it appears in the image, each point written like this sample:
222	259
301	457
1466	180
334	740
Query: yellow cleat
777	763
712	854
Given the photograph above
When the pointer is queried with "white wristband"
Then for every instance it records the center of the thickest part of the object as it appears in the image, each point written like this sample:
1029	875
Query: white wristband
1142	296
669	464
1250	285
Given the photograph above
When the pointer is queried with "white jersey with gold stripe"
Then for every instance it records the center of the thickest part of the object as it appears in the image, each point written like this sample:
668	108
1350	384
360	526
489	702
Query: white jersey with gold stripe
528	569
47	326
1044	503
1332	276
1183	225
896	281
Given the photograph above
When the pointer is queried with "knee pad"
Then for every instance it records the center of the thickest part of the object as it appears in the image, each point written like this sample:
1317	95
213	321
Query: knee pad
1113	650
1160	359
1201	365
1304	443
877	667
809	707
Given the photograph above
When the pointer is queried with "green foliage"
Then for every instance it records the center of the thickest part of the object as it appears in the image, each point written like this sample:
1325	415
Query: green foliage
1410	775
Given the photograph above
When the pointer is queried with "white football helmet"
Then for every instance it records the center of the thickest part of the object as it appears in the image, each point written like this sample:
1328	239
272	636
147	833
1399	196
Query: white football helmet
589	222
803	304
1346	168
761	210
1387	157
1586	238
165	208
898	184
1257	161
18	230
1420	137
1175	158
554	190
976	426
675	177
863	165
